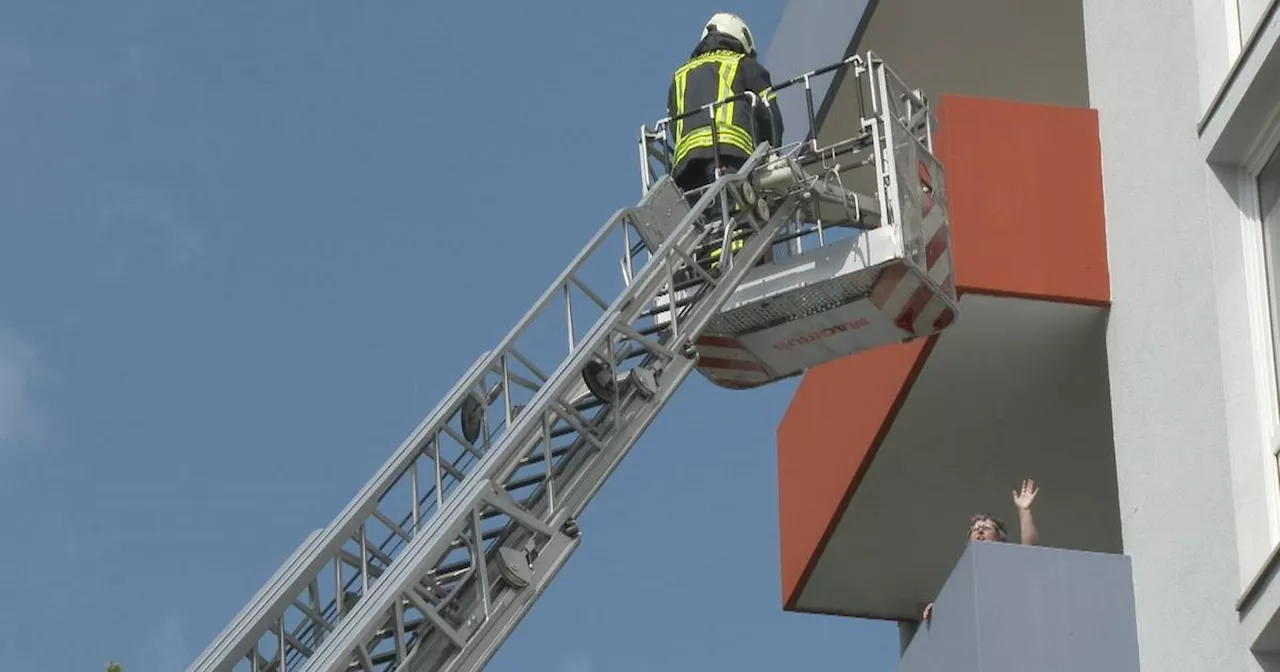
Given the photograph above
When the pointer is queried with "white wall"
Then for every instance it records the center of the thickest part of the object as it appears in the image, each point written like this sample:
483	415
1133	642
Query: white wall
1166	367
1249	13
1222	27
1217	42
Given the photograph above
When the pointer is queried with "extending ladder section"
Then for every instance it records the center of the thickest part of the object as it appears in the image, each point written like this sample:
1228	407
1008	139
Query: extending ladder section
442	553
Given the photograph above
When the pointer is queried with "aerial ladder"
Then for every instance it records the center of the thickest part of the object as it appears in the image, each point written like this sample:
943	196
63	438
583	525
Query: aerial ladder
440	555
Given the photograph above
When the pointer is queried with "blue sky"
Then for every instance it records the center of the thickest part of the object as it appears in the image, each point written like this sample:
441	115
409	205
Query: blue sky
245	247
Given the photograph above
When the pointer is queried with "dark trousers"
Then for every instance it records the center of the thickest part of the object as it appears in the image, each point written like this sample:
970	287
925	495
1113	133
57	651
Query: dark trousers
700	173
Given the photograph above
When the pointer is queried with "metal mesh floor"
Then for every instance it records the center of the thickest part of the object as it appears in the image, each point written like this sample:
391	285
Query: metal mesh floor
795	304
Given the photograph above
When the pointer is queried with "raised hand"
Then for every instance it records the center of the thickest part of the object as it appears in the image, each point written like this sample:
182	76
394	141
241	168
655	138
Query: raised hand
1023	496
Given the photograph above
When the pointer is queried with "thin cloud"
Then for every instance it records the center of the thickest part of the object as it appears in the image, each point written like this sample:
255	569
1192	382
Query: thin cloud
577	663
137	223
164	648
123	222
15	61
22	422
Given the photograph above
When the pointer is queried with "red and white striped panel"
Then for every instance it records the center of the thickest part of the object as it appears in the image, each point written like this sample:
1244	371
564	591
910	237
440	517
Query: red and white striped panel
913	305
725	360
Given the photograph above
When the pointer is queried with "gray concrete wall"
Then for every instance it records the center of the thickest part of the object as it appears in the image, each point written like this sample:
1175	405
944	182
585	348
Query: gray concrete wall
1012	608
810	35
1172	459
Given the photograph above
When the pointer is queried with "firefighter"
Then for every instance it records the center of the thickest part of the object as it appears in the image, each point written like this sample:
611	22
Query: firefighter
722	65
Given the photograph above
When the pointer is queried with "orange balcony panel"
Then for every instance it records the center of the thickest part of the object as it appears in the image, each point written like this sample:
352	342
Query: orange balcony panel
837	427
1026	199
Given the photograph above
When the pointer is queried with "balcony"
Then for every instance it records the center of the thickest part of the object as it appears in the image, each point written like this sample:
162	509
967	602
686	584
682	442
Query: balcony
884	455
1012	608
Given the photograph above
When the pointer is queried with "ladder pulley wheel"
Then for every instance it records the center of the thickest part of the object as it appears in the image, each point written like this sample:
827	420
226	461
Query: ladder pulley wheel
472	418
514	567
762	210
599	380
749	194
645	381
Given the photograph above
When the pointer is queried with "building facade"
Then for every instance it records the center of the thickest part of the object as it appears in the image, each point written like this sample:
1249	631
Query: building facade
1115	193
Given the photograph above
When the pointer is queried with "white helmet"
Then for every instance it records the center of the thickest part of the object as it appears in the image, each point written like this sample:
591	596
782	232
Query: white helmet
733	26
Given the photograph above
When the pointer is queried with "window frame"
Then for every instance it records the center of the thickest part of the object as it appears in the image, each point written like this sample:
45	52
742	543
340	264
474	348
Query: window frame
1263	299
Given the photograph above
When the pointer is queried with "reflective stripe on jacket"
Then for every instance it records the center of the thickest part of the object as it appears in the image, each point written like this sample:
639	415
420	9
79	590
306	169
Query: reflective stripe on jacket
717	70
